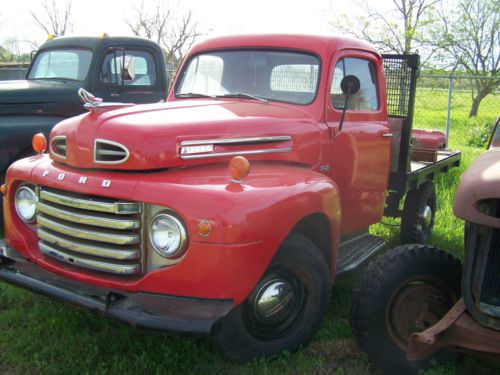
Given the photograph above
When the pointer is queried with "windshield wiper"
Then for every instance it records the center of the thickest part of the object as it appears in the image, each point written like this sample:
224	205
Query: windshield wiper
243	95
195	95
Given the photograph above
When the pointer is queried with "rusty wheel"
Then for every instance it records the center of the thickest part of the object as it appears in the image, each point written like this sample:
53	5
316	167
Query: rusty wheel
406	290
416	306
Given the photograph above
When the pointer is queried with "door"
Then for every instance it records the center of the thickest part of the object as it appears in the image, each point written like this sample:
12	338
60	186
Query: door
360	152
144	87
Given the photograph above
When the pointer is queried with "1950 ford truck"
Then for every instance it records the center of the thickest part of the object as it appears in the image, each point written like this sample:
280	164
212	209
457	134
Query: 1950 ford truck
229	210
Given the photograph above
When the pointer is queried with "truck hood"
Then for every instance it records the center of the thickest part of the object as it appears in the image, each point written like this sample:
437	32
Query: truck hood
184	133
40	97
480	181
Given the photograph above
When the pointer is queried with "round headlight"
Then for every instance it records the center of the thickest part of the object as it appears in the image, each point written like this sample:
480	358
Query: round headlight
167	235
25	202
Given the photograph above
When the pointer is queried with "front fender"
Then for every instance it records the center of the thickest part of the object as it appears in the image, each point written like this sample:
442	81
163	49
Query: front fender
268	203
249	220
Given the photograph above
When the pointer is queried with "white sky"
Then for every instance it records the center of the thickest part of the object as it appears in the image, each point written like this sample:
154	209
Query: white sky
92	17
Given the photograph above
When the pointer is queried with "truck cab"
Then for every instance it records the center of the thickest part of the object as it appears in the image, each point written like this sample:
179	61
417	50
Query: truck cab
230	209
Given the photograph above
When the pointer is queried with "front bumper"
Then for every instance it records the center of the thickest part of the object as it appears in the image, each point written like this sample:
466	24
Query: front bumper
148	310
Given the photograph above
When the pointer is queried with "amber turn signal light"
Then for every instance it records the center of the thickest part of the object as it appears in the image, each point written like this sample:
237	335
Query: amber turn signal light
239	167
2	189
204	228
39	143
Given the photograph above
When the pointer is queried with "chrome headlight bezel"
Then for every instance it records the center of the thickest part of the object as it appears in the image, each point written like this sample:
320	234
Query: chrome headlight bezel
32	193
180	232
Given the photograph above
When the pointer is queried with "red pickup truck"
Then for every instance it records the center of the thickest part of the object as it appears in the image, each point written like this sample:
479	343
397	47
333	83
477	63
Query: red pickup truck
230	209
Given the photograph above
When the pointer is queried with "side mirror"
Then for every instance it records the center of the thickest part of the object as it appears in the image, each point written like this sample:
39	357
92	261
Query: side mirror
349	85
128	68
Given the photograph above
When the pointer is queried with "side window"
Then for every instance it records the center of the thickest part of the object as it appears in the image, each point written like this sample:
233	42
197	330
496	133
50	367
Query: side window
145	70
367	98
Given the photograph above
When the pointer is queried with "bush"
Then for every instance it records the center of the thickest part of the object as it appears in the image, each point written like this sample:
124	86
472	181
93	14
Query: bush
478	134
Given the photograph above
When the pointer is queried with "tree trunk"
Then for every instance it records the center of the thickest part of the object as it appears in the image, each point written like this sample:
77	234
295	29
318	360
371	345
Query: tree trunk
475	106
485	87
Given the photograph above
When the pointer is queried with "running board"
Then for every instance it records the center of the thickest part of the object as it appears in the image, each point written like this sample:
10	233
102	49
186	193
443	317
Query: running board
356	251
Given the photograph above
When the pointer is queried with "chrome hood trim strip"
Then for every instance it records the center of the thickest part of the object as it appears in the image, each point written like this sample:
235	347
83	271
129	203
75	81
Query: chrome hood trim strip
236	153
230	141
186	154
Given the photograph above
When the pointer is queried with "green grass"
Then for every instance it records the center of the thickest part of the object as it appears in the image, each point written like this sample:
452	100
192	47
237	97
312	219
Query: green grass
39	335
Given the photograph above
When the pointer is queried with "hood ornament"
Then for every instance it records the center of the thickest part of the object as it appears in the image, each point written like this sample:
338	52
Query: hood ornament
93	103
89	101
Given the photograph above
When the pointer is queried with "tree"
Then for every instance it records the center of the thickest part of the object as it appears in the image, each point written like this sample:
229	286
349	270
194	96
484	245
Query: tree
161	23
398	30
469	35
55	18
11	51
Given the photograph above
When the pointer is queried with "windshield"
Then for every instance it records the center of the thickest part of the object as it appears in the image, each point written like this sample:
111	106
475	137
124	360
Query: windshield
61	63
252	74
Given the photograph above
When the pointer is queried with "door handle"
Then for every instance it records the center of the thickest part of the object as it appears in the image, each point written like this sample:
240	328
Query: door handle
388	135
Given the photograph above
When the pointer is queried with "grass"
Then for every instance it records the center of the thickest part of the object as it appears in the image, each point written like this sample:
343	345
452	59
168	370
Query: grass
42	336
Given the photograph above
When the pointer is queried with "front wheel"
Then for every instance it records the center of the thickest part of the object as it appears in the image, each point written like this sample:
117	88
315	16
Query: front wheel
285	308
406	290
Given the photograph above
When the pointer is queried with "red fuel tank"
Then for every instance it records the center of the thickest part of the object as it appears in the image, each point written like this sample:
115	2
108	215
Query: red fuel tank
428	139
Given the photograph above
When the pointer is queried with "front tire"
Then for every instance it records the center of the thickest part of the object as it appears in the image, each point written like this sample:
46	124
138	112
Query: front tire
406	290
284	310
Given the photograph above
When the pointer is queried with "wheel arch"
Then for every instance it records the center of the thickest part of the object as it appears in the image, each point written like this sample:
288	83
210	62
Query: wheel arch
318	229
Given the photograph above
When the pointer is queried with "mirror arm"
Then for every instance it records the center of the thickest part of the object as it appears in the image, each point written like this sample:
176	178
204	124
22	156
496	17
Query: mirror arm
123	67
343	113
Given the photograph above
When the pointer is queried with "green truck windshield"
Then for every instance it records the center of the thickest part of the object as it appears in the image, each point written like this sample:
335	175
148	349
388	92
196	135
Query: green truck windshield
61	63
266	74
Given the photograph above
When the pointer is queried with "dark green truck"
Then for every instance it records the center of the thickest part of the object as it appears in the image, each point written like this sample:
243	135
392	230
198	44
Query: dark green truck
63	65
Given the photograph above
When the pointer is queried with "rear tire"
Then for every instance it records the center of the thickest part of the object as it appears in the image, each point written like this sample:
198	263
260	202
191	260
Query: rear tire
284	310
406	290
419	212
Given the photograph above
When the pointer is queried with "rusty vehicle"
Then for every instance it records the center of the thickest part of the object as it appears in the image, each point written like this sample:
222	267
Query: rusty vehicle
414	305
230	209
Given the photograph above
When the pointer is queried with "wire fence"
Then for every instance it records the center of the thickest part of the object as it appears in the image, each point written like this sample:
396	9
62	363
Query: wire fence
444	102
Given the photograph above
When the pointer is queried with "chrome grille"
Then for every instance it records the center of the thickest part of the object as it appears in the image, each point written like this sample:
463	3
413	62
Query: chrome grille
90	232
58	146
490	289
109	152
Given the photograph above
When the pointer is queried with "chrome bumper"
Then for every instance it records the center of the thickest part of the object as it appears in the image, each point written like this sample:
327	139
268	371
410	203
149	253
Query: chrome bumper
168	313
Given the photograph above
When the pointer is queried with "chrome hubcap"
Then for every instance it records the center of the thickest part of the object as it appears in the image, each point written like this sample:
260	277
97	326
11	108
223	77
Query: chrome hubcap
274	302
427	216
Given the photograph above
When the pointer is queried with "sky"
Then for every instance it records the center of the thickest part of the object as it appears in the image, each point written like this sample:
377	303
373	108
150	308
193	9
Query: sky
92	17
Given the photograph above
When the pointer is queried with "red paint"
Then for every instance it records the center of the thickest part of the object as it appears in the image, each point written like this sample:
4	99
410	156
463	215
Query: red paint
248	221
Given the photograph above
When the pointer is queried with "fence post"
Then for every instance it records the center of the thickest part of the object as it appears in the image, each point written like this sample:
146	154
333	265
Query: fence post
448	115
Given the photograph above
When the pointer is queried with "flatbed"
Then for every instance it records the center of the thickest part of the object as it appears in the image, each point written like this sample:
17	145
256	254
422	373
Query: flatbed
408	175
